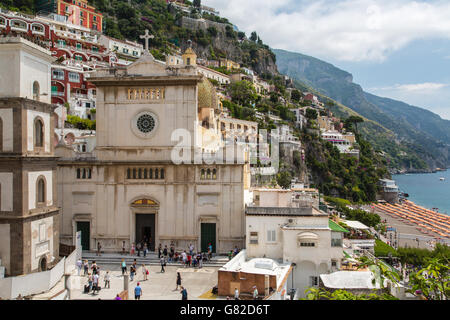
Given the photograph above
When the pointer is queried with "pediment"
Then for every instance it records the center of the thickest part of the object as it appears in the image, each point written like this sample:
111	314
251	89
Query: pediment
147	65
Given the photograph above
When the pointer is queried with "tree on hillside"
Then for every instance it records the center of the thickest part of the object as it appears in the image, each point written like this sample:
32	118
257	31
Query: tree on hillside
197	3
311	114
284	179
296	95
353	120
243	93
254	36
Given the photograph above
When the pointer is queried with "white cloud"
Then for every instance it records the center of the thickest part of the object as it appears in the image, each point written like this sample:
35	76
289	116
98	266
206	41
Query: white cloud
419	88
347	30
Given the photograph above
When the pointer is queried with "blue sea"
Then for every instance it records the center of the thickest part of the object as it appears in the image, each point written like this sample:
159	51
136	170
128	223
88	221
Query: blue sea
426	189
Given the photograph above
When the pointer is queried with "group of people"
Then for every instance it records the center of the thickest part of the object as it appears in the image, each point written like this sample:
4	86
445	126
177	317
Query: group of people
134	270
93	274
255	294
188	258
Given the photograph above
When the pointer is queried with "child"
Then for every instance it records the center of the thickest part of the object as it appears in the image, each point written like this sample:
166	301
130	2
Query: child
145	272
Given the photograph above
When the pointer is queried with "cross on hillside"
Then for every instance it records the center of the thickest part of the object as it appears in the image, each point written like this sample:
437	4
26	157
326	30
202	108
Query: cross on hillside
147	37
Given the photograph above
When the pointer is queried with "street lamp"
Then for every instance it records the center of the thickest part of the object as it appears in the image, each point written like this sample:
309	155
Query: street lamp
293	289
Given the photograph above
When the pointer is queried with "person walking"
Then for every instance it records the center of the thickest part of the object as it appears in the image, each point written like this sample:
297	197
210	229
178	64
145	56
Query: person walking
124	267
191	249
184	294
255	293
90	282
99	248
145	249
86	267
79	266
159	251
94	267
145	272
123	248
95	283
209	251
138	248
107	279
133	247
137	292
163	263
236	294
200	260
132	271
165	252
184	258
178	280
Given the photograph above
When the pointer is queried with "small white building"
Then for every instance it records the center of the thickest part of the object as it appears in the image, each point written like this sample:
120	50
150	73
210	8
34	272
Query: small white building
304	236
343	142
220	77
125	48
300	119
269	276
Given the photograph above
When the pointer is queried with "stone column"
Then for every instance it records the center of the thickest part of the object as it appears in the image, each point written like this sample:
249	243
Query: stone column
125	282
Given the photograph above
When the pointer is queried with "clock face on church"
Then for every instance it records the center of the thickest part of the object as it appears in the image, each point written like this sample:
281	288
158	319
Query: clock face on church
144	124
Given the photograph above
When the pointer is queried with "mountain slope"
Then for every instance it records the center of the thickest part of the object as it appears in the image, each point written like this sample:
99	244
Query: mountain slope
419	133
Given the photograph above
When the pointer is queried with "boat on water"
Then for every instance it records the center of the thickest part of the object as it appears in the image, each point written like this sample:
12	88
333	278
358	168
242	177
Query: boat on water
442	179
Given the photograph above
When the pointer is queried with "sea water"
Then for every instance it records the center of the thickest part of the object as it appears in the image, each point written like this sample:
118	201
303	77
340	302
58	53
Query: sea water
427	190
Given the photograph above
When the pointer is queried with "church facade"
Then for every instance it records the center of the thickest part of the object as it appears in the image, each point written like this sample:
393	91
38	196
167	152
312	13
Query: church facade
130	189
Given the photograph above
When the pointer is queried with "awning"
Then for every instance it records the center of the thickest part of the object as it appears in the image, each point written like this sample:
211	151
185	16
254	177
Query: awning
336	227
355	225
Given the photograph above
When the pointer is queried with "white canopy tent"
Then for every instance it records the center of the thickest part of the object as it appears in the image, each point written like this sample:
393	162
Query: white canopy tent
355	225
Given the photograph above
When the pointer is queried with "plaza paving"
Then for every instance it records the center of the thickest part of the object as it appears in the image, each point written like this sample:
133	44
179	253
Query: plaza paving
159	286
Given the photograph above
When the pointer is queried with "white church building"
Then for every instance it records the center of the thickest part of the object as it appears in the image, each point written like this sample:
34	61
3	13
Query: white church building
128	189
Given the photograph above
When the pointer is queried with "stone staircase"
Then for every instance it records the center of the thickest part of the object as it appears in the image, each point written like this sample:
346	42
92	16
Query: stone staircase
151	259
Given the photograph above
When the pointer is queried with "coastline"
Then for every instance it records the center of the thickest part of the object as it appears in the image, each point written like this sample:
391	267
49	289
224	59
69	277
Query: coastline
427	190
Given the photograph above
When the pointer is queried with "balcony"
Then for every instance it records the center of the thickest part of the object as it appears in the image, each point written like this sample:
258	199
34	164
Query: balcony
57	77
58	94
79	95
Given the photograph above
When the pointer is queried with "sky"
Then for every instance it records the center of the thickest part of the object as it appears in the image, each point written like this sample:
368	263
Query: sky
398	49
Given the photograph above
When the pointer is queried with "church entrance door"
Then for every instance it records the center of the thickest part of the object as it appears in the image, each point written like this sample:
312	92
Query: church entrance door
145	230
208	235
84	227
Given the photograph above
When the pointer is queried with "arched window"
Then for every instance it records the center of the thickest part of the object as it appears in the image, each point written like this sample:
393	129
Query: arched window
128	173
89	173
84	173
140	173
145	173
78	173
41	191
208	174
156	174
36	91
38	133
202	174
162	173
150	174
134	173
214	174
